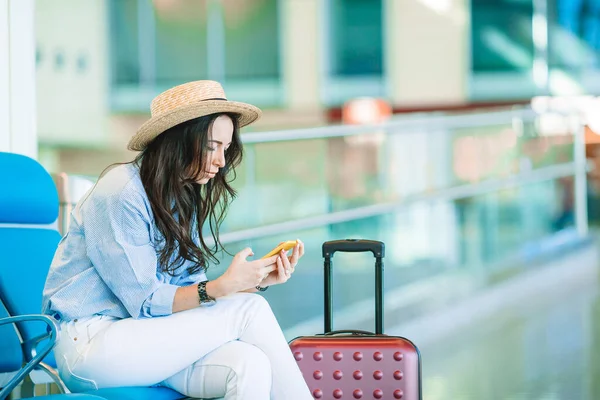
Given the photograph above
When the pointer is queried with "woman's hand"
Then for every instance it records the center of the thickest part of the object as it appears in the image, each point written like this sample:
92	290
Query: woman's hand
285	266
243	275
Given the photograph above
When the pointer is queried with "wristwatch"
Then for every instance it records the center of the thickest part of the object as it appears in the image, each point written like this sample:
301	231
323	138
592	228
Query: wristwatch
203	297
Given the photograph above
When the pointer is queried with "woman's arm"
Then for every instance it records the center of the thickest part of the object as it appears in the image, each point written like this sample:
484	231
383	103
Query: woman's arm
186	297
116	227
240	276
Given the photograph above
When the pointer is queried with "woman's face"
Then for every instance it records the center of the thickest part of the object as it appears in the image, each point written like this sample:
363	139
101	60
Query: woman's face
219	140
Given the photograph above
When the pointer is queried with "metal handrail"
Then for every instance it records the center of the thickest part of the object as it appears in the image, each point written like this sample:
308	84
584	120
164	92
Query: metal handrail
398	123
395	125
447	194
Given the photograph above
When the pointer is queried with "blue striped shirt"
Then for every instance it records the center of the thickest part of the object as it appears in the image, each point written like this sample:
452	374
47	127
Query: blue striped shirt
107	263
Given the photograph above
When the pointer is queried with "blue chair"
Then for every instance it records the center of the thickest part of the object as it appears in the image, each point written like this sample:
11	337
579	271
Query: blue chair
12	352
28	240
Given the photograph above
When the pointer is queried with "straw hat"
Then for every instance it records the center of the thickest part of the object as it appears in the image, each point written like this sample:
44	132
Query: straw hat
185	102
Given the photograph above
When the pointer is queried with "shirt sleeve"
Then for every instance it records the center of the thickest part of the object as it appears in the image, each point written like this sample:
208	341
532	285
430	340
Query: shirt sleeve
186	279
192	279
118	243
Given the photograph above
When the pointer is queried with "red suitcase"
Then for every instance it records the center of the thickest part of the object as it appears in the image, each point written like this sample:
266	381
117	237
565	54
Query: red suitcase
358	364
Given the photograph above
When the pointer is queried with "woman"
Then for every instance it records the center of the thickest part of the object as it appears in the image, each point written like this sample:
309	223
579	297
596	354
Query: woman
128	281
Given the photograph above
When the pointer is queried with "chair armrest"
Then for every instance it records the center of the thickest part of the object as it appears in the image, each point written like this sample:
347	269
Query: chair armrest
53	374
34	361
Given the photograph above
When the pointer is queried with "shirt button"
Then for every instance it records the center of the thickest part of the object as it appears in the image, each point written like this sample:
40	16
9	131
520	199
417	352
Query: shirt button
75	339
75	320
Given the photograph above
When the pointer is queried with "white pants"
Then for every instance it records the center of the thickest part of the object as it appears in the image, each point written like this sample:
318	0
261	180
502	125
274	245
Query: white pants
234	349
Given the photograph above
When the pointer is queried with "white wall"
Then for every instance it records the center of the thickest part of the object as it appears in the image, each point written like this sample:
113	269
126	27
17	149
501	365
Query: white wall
427	51
301	31
17	77
72	101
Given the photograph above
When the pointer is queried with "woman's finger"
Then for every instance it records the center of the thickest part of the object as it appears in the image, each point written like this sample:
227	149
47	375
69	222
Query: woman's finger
295	255
268	269
281	270
265	262
285	260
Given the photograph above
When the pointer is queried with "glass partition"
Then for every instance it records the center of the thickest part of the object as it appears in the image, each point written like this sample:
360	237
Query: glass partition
382	165
467	236
460	202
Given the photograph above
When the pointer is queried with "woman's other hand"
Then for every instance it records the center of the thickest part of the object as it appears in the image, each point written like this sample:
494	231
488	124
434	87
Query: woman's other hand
243	275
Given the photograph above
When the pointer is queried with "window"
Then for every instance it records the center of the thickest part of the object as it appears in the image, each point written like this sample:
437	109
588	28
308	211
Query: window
124	42
251	39
157	44
356	37
574	31
181	41
501	35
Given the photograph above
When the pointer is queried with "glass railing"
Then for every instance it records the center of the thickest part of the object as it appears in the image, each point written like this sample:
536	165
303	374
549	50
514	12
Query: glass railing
307	174
460	201
457	245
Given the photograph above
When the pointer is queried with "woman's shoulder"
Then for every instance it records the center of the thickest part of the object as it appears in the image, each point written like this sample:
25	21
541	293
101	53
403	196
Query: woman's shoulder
117	202
121	182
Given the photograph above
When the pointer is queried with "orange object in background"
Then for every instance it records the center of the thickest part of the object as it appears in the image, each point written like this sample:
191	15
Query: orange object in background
354	160
592	153
365	110
591	136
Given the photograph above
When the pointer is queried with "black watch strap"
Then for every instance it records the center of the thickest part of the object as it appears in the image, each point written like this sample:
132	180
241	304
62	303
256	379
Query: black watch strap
203	297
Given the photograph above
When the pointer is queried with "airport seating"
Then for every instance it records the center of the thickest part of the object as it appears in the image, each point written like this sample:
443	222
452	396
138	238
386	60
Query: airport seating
28	240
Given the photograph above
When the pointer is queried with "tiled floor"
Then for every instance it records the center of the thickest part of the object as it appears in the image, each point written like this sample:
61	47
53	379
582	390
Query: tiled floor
543	350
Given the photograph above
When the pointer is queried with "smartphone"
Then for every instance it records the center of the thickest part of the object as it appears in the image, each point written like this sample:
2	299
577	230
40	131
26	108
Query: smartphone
285	246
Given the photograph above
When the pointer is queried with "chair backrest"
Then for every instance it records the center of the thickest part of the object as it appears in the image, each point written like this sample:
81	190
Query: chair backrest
28	236
28	240
10	345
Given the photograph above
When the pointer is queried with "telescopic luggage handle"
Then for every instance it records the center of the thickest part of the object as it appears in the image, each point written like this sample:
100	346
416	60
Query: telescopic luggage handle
354	246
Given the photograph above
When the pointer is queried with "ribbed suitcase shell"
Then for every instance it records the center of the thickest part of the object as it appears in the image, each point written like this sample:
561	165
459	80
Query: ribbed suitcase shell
359	367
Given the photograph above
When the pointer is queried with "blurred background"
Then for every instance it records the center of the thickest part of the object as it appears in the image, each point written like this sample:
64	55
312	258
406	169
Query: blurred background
461	133
100	63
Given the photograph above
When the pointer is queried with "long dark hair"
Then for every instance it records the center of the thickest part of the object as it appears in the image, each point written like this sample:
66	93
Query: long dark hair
169	167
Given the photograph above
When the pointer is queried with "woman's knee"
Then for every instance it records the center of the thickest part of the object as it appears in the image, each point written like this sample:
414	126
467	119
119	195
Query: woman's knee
250	304
250	374
249	361
253	316
235	367
252	299
258	302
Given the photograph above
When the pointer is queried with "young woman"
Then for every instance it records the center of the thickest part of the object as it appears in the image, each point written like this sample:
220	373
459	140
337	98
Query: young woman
128	281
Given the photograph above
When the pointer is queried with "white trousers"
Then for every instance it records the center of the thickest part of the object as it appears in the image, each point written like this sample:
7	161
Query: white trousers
234	349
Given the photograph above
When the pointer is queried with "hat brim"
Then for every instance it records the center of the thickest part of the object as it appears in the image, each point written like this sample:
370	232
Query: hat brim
157	125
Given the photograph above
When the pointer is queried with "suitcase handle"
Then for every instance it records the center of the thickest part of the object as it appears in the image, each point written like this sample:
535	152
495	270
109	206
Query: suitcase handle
354	245
353	331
